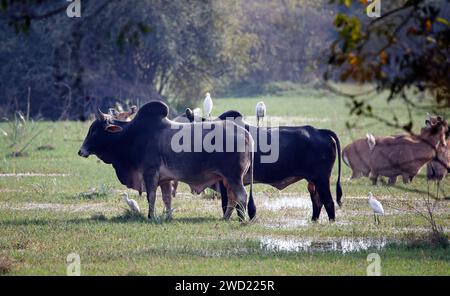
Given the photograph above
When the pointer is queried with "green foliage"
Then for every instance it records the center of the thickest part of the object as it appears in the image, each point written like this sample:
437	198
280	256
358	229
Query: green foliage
407	47
349	29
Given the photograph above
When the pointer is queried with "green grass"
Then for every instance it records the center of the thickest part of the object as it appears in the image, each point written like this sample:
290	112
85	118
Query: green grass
45	218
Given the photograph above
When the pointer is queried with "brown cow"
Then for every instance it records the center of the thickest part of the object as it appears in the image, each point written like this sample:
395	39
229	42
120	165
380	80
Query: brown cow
123	116
405	155
356	156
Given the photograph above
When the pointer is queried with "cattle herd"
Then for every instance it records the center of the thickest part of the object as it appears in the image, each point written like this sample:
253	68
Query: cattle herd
148	150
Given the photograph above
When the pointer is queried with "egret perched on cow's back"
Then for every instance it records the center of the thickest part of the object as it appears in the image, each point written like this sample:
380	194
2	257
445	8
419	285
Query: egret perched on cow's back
260	111
207	106
131	203
377	208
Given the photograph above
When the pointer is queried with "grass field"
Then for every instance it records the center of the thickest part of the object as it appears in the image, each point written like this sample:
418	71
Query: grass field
73	205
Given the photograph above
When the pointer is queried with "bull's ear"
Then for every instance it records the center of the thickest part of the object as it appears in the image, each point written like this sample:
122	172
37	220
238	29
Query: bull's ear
427	123
190	114
112	128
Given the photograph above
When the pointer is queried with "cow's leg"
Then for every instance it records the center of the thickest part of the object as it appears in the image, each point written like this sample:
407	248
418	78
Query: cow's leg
406	179
438	185
166	191
224	197
323	189
231	200
237	189
316	203
241	205
151	184
174	185
392	180
374	178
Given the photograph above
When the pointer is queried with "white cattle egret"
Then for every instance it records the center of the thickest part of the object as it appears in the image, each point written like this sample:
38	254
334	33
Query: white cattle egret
131	203
207	105
377	208
260	111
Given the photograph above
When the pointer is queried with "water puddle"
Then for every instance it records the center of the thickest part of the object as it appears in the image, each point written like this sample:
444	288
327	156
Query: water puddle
32	175
343	245
277	203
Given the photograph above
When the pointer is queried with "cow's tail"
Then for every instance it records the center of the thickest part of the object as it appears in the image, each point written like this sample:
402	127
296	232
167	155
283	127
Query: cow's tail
251	203
345	158
338	183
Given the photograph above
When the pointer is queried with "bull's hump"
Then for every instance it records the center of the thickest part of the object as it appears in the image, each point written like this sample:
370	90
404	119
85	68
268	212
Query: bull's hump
154	109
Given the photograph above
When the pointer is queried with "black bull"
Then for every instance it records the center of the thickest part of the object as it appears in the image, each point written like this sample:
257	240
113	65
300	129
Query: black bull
304	153
142	154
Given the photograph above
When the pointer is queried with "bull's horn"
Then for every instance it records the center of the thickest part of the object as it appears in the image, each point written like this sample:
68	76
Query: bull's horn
100	115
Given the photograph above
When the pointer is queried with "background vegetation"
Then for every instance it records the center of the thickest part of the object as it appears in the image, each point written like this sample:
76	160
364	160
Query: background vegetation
121	51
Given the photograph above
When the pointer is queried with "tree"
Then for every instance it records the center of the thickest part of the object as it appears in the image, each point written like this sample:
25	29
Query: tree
406	48
167	50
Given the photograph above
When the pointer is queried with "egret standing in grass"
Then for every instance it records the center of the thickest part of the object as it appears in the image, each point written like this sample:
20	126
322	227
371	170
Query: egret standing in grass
207	106
131	203
377	208
260	111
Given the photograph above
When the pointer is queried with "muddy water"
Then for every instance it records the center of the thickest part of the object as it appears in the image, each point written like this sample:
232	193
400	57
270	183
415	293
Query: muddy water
343	245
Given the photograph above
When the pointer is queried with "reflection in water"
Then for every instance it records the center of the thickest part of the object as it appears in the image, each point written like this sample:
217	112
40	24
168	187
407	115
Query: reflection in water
343	245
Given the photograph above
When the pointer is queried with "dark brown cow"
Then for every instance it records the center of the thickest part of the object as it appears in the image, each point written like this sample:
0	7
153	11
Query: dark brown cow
143	155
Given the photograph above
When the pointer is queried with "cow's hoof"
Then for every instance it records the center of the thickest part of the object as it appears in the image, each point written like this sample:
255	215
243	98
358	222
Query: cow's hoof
332	220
